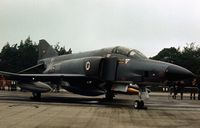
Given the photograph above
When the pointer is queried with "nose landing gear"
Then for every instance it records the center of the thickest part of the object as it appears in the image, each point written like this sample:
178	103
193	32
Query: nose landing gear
138	104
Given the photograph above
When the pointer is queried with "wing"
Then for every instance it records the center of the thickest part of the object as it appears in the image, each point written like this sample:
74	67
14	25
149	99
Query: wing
45	77
39	68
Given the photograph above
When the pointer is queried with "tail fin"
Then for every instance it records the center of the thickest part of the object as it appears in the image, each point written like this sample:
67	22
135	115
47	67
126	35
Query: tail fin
45	50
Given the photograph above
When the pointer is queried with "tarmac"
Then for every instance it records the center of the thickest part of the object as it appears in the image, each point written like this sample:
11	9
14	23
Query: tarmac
66	110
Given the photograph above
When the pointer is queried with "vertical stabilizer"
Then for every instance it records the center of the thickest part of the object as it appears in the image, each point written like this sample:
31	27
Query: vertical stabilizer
45	50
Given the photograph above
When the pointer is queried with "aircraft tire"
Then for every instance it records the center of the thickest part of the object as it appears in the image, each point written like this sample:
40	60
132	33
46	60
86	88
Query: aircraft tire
139	104
36	95
136	104
109	96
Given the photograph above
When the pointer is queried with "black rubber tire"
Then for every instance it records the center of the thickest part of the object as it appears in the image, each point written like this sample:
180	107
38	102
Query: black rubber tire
141	104
137	104
109	96
36	95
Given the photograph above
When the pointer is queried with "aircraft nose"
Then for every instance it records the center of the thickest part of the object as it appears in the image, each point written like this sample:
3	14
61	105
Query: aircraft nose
174	72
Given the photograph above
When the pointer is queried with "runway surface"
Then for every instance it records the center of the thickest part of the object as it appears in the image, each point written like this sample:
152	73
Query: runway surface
65	110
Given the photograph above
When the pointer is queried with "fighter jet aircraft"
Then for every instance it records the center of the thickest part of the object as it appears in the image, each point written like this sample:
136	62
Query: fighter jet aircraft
107	71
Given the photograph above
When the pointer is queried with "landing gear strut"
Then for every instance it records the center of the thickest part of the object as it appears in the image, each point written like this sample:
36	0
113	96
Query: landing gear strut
110	95
139	104
36	95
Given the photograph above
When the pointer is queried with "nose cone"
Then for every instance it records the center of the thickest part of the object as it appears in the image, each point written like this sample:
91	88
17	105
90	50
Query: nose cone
174	72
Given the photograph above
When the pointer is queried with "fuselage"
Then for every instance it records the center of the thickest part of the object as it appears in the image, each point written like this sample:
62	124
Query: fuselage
129	61
115	65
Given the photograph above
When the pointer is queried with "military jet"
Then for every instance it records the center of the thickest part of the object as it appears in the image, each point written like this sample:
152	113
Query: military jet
107	71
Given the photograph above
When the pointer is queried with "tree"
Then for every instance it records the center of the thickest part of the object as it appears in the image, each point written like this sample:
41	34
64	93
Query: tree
9	56
168	55
18	57
61	50
189	57
28	54
15	58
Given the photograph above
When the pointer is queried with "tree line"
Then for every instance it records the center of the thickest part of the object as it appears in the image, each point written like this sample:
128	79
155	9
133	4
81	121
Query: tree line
14	58
188	57
25	54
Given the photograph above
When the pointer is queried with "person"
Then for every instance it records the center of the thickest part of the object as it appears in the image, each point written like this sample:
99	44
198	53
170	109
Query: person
173	89
180	88
198	86
192	93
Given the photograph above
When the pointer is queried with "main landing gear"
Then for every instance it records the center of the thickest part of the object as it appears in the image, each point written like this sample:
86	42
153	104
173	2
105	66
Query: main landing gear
139	104
109	96
109	93
36	95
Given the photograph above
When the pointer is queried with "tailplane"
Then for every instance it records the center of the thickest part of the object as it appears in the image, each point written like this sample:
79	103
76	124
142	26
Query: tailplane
45	50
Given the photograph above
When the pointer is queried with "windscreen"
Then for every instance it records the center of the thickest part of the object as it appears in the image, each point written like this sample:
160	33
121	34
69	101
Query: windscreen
128	52
137	54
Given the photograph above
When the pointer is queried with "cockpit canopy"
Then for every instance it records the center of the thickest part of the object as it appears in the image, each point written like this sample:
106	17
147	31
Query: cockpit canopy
133	53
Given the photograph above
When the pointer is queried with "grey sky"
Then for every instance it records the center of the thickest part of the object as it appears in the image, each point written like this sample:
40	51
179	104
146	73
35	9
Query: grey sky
146	25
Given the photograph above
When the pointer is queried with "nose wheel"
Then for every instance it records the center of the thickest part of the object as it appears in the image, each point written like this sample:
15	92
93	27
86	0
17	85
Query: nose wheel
138	104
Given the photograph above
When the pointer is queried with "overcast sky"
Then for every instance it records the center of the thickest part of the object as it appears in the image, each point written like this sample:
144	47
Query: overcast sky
146	25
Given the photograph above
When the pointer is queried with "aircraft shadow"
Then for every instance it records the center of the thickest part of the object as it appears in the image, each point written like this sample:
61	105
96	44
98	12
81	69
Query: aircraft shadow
55	100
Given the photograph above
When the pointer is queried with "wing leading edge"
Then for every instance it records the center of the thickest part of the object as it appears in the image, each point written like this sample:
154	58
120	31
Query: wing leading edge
44	77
